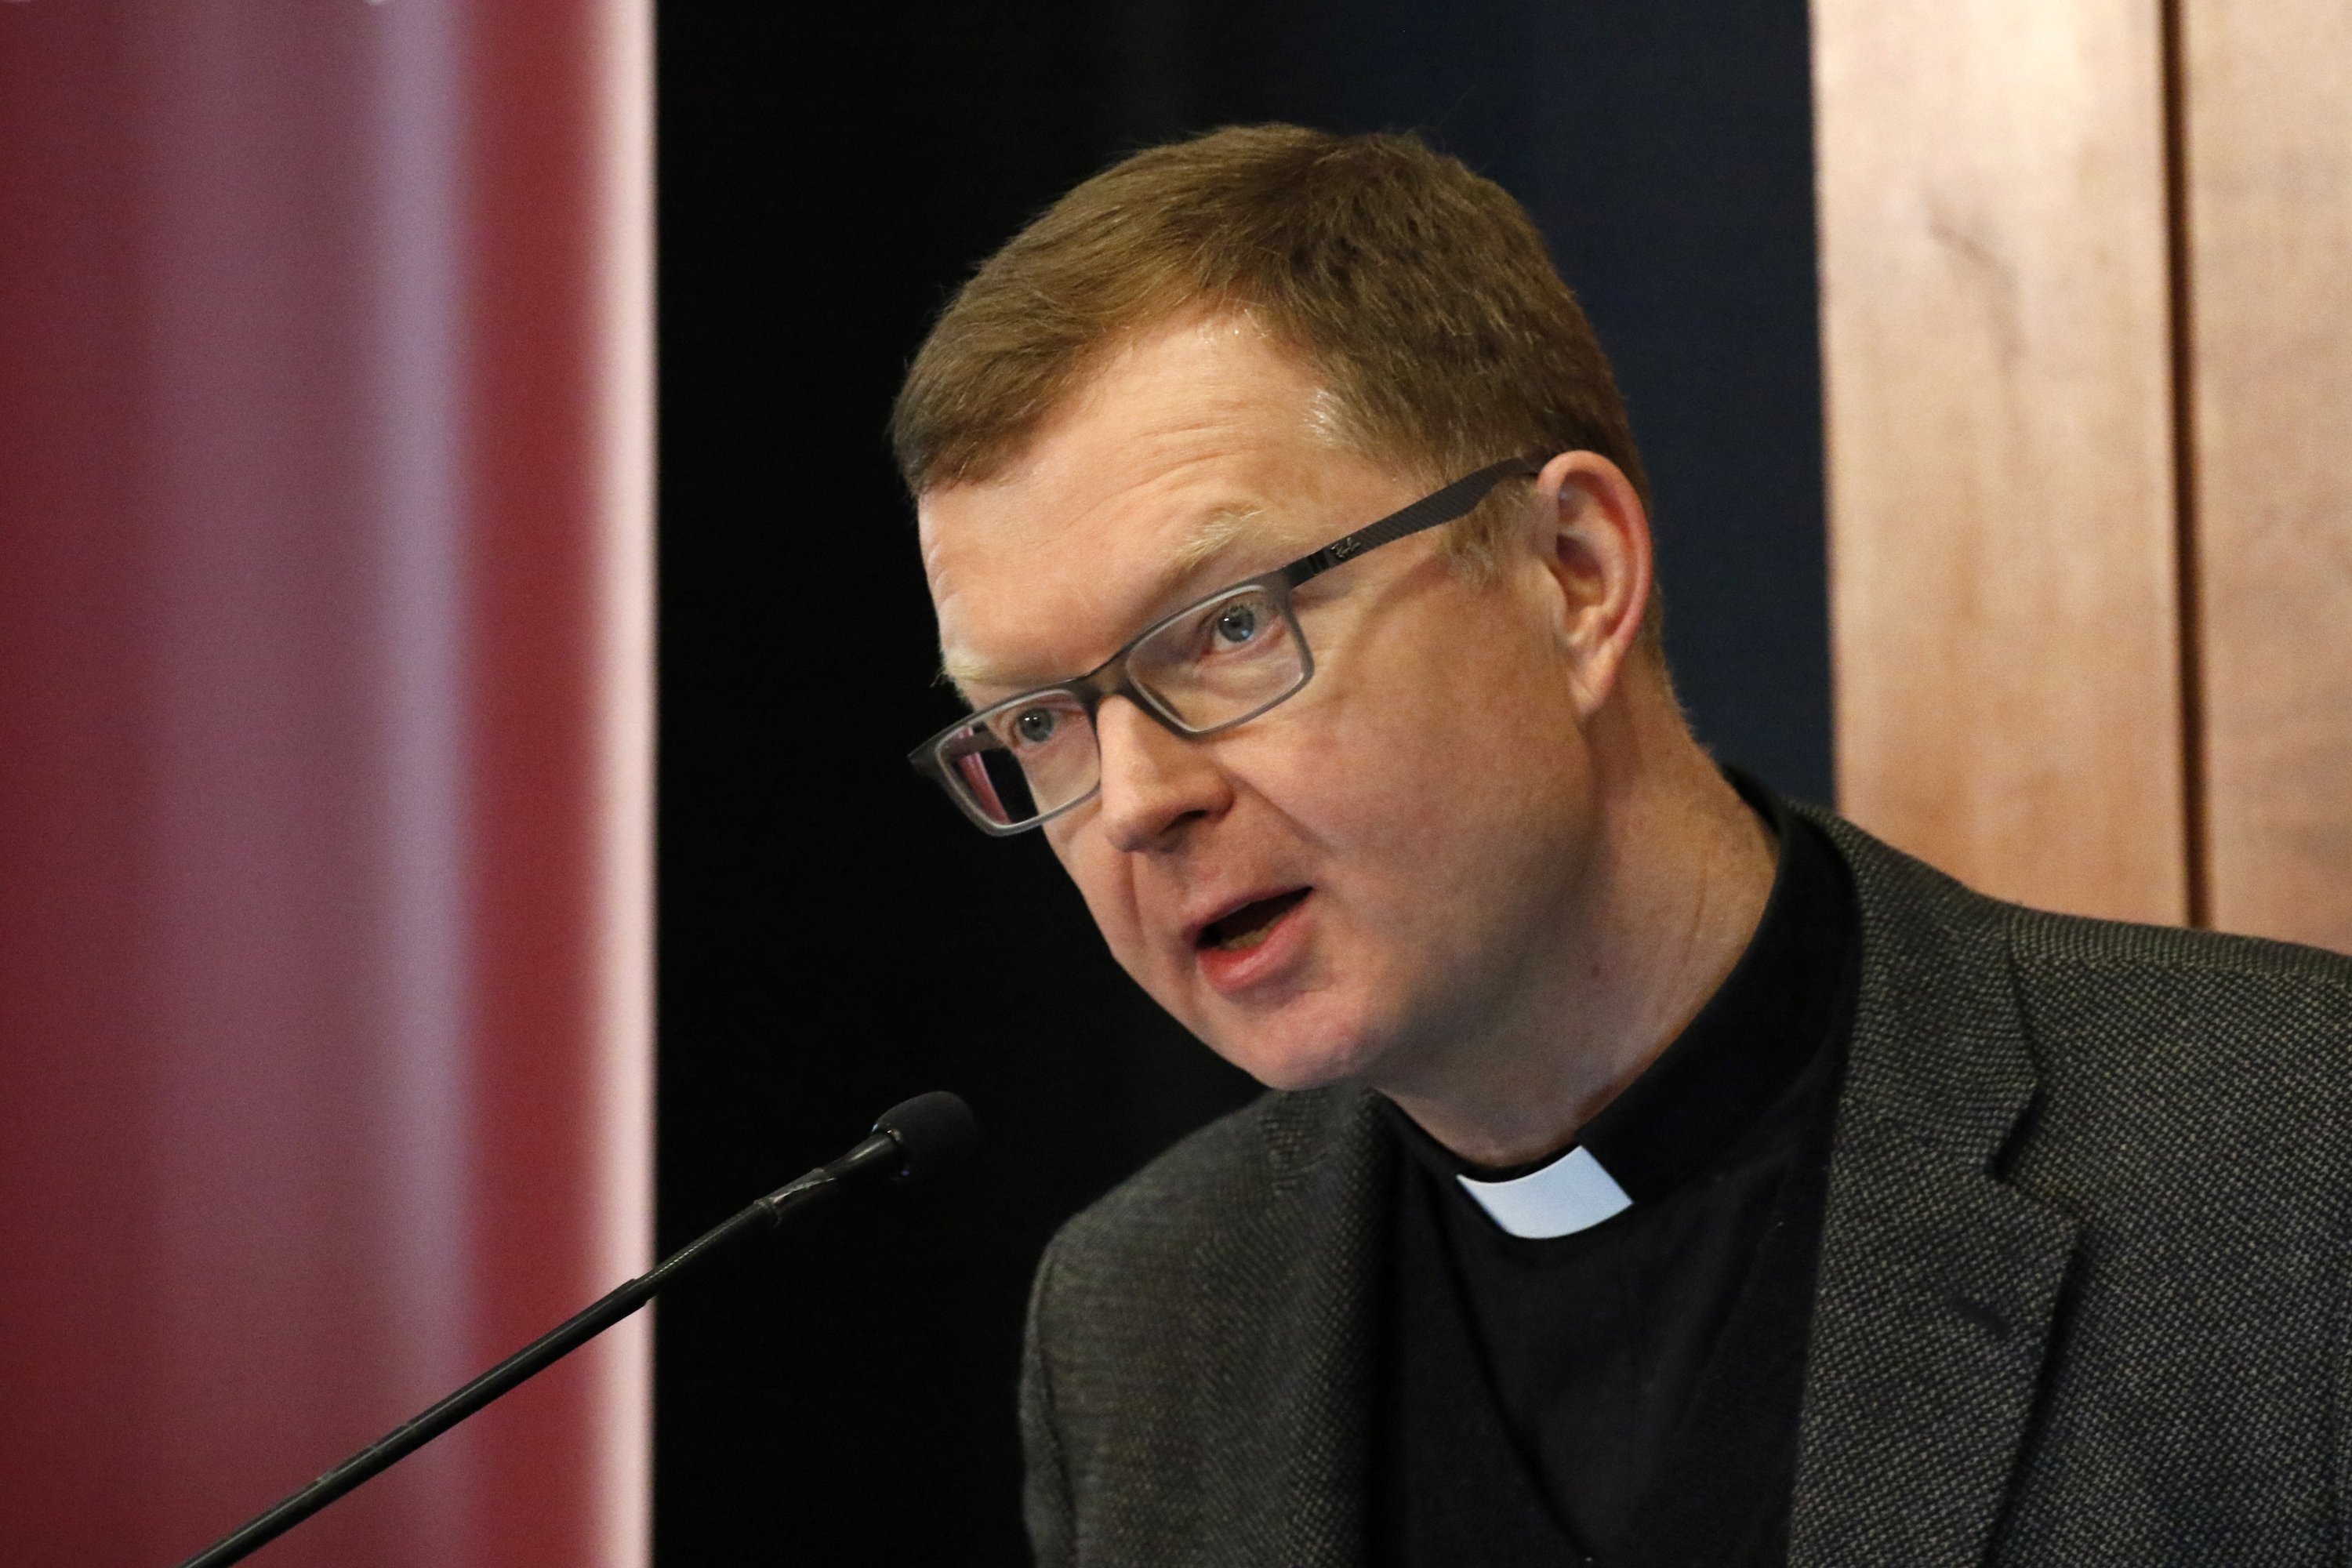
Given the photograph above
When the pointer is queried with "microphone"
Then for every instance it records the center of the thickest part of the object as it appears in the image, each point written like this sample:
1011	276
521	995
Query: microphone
914	1140
923	1136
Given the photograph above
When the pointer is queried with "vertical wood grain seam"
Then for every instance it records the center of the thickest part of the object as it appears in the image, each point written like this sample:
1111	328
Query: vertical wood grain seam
2191	633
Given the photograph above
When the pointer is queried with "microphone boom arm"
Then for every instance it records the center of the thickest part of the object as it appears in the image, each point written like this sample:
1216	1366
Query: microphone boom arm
915	1137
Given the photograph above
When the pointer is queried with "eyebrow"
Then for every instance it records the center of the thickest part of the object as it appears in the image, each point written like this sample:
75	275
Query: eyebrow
1210	536
1207	538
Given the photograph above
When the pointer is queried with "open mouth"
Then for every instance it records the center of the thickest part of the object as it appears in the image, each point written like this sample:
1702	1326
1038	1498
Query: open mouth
1249	925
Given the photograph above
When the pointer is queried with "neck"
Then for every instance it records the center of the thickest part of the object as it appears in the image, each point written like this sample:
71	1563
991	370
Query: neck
1676	880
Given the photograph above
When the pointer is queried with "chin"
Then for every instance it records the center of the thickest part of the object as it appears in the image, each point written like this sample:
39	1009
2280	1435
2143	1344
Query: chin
1282	1055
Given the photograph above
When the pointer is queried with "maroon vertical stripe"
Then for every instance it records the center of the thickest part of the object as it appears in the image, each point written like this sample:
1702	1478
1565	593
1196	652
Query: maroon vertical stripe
308	917
533	579
73	791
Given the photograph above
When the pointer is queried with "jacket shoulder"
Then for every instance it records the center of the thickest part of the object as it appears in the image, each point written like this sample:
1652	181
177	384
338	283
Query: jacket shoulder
2193	1038
1202	1191
2129	975
1197	1332
2163	1037
2096	952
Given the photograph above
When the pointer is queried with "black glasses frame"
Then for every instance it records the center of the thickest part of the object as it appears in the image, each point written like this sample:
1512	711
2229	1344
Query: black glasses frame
1109	679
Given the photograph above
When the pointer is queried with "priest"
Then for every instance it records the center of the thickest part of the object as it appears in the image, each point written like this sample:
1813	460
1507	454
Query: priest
1652	1170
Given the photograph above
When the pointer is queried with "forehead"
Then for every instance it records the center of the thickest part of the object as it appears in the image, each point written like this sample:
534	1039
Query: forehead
1199	452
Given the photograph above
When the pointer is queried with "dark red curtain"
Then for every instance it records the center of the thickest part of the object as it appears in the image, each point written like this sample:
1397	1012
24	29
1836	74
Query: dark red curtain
324	697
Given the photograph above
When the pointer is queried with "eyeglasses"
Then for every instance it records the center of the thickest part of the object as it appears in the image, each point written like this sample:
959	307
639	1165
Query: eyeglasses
1211	666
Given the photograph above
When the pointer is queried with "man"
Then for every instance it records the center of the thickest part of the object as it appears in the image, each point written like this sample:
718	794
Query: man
1654	1172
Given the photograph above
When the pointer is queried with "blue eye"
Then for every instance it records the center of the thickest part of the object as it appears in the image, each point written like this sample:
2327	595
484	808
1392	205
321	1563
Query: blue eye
1236	624
1035	725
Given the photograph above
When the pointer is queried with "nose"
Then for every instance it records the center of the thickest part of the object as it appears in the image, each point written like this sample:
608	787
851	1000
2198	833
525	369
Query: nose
1154	782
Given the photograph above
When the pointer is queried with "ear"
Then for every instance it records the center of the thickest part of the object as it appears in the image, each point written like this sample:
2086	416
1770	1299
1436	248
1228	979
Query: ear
1595	551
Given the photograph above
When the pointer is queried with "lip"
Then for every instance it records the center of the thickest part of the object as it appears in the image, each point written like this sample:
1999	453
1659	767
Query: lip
1200	923
1230	972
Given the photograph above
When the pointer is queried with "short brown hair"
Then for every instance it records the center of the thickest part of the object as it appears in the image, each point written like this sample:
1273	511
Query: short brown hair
1422	293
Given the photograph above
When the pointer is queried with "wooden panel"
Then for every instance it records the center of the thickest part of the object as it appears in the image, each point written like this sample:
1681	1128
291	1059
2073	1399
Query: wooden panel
2270	227
1996	327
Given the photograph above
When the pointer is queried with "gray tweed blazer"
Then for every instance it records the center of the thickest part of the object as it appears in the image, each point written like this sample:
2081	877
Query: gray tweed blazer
2081	1294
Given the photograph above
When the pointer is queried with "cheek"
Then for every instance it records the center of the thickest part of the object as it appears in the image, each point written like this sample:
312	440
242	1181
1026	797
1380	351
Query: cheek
1104	880
1435	784
1408	742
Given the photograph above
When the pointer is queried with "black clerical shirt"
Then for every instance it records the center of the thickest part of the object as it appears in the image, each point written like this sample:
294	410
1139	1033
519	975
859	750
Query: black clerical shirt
1628	1393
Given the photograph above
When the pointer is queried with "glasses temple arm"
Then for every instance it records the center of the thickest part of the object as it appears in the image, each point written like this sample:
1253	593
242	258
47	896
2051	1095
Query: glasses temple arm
1455	500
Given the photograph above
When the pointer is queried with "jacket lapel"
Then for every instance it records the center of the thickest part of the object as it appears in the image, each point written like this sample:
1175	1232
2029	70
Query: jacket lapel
1937	1283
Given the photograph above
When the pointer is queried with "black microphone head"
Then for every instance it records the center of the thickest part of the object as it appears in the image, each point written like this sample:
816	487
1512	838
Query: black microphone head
934	1131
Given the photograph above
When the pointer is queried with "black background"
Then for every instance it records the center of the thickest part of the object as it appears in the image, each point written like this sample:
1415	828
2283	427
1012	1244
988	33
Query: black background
832	937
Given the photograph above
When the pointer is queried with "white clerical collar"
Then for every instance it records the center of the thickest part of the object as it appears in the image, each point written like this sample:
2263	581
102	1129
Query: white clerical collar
1572	1194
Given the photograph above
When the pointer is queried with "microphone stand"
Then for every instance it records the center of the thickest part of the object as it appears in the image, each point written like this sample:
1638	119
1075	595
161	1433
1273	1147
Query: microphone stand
901	1147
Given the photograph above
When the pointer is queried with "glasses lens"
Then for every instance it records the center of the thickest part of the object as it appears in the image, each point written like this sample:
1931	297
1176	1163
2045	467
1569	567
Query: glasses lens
1222	660
1024	760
